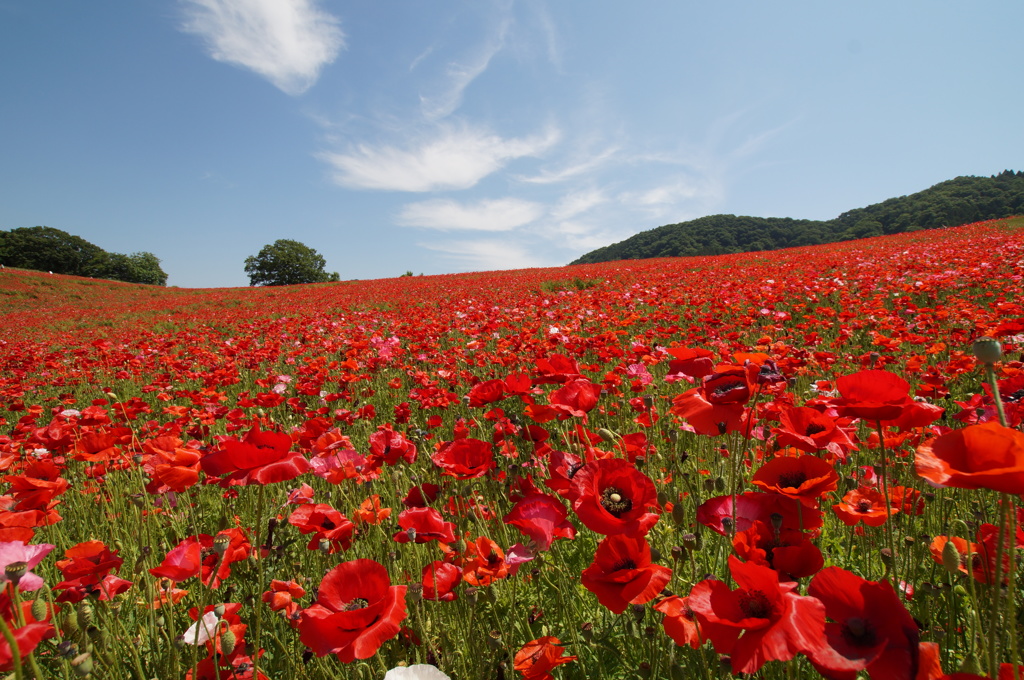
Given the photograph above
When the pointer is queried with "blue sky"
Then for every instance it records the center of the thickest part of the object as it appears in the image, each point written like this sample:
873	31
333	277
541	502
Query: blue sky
448	136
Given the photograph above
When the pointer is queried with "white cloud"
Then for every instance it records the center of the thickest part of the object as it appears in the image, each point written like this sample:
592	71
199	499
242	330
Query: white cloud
458	75
503	214
287	42
457	158
578	203
488	255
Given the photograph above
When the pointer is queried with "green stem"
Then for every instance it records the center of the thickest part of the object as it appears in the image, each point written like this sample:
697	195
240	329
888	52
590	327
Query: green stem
888	501
15	651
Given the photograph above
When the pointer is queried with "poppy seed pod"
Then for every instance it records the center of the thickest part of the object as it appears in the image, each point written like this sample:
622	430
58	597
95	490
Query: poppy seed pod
987	350
82	665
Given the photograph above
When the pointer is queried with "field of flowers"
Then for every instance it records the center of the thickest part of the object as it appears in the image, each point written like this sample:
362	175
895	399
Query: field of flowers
795	464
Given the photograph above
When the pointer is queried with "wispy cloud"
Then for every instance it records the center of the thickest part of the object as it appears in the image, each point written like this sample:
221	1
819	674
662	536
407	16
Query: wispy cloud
489	255
458	74
503	214
287	42
572	170
455	158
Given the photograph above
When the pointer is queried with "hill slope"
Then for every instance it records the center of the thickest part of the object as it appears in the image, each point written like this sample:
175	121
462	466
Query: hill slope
956	201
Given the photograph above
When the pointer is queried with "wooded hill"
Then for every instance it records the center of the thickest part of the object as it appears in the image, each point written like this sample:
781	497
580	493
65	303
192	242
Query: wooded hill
954	202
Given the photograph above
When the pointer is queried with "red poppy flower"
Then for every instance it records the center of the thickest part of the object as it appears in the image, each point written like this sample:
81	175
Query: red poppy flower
486	392
873	395
810	430
752	506
869	629
422	525
27	638
986	456
388	446
562	467
170	464
282	595
622	573
260	458
611	496
537	658
708	418
324	523
484	562
762	620
464	458
787	551
370	512
804	478
575	398
542	518
439	580
86	570
864	504
692	362
557	368
680	622
356	611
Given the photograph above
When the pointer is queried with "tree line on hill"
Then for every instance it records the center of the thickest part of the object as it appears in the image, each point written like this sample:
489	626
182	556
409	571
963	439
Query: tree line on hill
56	251
956	201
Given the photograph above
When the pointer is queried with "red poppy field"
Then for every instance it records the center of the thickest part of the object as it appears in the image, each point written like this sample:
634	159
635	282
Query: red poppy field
800	463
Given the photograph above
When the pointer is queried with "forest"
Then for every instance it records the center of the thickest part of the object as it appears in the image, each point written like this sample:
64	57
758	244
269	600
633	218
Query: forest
950	203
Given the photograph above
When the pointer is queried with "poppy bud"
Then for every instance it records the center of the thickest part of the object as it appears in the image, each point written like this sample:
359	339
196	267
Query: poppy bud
85	613
228	641
606	435
776	519
637	610
82	665
691	542
494	640
987	350
719	484
587	631
678	553
655	554
39	609
678	514
886	556
325	546
663	498
219	610
727	525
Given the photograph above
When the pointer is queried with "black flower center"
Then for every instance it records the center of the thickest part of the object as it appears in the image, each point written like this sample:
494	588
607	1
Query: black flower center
328	524
624	564
864	506
813	429
615	502
859	632
792	480
1015	397
756	604
726	388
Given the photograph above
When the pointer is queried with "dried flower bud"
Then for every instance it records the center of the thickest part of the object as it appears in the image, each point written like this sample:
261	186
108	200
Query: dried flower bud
606	435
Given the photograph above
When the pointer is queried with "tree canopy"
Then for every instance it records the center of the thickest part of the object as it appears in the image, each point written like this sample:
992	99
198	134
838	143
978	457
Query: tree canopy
53	250
957	201
285	262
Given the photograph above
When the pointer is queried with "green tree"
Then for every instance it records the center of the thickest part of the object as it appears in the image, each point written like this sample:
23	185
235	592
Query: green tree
285	262
135	268
49	249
